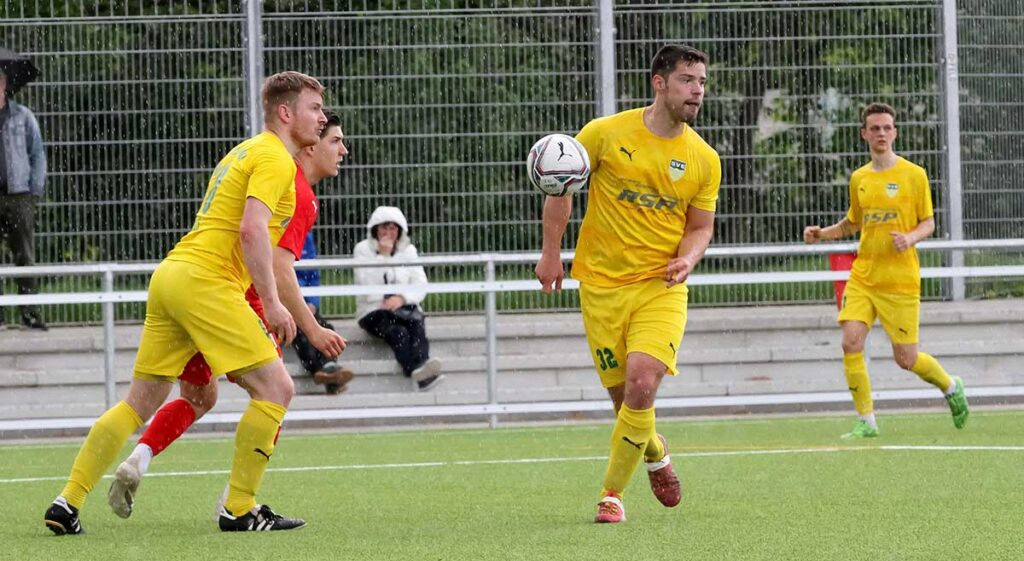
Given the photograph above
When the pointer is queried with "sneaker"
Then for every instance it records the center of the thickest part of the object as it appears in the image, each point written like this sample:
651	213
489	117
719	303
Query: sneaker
62	518
664	483
259	519
861	430
34	322
958	404
121	495
429	369
334	378
610	510
430	383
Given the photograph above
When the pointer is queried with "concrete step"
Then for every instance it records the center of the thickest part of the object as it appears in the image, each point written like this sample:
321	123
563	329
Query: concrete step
736	351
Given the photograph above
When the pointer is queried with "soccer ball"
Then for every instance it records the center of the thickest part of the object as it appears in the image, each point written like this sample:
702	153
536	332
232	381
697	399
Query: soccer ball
558	165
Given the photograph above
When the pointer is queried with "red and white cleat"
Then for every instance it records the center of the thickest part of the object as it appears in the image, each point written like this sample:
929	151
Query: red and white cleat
610	510
664	483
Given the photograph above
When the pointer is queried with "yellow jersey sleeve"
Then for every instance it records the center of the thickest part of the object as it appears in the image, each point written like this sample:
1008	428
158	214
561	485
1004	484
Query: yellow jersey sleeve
924	197
592	139
707	196
855	215
273	175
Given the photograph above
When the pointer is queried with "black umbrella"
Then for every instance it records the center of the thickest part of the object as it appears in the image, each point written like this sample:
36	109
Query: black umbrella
18	68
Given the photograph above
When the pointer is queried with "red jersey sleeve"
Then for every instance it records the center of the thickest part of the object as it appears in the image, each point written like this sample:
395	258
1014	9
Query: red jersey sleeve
302	221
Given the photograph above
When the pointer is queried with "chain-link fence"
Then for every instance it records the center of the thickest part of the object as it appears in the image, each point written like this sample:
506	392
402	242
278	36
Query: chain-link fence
441	100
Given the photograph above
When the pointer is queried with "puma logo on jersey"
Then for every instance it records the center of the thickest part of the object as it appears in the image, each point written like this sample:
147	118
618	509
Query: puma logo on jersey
262	453
627	152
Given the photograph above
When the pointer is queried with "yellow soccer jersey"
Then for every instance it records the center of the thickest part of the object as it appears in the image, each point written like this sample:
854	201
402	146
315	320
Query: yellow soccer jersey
894	200
641	186
259	167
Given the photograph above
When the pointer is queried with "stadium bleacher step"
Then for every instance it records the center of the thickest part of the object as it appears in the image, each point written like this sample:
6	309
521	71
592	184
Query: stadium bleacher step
544	357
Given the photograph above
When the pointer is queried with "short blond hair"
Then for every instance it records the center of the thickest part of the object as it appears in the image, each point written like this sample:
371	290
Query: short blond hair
285	87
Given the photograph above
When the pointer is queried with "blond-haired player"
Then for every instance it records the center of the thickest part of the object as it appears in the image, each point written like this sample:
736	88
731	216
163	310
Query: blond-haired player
650	216
891	207
196	302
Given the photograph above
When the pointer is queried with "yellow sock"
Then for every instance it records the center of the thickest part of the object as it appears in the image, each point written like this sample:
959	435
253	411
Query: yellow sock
634	429
655	451
858	382
931	371
106	438
254	444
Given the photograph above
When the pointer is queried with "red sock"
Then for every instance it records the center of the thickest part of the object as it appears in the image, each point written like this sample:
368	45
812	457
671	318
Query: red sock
170	422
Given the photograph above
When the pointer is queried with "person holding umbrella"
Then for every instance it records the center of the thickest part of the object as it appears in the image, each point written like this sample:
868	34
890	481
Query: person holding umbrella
22	174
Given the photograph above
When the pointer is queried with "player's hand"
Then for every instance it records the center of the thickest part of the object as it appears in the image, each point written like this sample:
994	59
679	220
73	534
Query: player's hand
901	241
550	272
392	303
812	234
280	322
678	270
327	341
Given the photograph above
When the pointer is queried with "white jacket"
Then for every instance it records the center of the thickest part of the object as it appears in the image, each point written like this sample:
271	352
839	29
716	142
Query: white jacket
412	276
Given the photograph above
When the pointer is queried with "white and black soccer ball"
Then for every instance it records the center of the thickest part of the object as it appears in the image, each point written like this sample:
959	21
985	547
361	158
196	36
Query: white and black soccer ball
558	165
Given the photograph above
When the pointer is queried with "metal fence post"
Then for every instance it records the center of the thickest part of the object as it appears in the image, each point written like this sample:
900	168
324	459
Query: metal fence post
606	57
951	83
491	306
252	39
108	340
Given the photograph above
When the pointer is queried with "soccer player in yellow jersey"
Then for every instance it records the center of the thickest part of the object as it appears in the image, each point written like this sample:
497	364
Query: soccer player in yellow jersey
891	207
650	216
197	302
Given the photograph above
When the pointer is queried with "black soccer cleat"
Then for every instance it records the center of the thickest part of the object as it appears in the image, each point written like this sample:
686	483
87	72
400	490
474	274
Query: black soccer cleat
62	518
260	519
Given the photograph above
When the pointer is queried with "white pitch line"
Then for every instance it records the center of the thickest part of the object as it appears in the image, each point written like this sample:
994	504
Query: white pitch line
679	456
956	448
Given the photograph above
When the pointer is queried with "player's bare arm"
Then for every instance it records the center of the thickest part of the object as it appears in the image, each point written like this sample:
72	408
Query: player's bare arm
327	341
549	270
906	240
842	229
258	257
700	227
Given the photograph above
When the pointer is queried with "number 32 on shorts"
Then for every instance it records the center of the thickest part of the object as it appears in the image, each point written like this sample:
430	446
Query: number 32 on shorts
605	358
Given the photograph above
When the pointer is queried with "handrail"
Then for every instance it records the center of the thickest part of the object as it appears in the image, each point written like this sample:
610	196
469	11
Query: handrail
489	286
511	258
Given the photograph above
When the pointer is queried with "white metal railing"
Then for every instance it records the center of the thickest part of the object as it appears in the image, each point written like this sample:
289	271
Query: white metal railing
489	286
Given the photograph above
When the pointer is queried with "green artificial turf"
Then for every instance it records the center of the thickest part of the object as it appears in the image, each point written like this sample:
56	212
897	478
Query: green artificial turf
771	488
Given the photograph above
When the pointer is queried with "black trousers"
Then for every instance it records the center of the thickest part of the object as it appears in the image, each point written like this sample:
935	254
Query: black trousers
17	222
312	360
406	337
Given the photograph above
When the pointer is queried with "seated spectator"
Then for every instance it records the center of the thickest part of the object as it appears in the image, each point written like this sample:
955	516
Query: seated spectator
326	372
396	318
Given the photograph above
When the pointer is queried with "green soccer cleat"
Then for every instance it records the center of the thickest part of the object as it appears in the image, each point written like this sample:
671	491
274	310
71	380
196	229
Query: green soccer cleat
861	430
958	404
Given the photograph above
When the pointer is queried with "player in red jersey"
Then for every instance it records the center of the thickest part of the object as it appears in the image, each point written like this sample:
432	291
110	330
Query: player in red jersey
198	386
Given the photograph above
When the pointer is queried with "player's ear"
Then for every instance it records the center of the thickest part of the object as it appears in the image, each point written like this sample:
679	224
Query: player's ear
284	112
657	82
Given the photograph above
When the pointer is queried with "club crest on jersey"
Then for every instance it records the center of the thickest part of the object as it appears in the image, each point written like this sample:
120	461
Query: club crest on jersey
676	170
892	190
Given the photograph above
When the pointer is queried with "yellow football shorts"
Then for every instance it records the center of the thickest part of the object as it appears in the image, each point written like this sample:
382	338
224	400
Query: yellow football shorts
899	313
642	317
191	309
